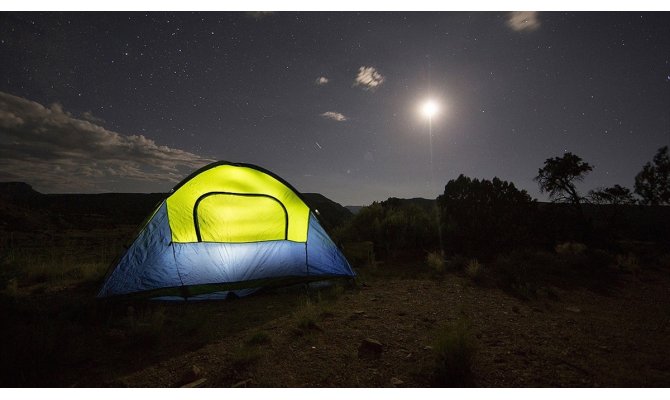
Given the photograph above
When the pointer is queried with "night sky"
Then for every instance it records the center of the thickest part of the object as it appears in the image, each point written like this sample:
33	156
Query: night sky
134	102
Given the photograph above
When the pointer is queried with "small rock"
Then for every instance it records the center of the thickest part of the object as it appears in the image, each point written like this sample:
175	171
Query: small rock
396	382
242	383
573	309
195	384
359	312
370	348
428	348
191	375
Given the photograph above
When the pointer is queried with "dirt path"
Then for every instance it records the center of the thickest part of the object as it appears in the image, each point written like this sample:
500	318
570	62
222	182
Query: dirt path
580	339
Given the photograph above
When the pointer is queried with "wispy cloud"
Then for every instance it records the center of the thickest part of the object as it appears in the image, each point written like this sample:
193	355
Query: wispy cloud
322	80
369	78
523	20
335	116
54	151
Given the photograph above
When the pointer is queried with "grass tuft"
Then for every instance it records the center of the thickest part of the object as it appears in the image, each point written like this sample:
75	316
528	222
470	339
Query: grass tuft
454	353
474	270
435	262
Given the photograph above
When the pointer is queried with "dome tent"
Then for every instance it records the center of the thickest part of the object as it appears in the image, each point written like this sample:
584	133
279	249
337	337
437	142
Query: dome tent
226	227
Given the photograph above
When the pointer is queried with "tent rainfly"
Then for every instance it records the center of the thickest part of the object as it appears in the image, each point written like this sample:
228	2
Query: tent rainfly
226	228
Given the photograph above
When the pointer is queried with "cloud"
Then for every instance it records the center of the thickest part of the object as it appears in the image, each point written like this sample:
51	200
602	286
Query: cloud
50	149
88	116
523	20
322	80
369	78
335	116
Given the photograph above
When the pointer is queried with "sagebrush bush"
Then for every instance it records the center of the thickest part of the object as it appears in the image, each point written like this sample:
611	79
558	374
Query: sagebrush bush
454	354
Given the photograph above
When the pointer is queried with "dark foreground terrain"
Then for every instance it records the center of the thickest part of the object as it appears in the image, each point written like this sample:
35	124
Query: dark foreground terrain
574	316
55	334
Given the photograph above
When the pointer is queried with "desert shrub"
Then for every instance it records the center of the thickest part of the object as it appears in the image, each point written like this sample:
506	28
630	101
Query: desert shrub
521	273
570	248
395	227
360	254
435	262
474	270
454	353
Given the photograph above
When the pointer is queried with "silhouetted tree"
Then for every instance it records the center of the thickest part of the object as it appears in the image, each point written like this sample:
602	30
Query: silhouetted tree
653	182
612	195
558	177
484	217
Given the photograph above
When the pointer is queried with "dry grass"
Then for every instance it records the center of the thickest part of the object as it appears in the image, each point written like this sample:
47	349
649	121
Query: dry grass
435	262
474	270
454	352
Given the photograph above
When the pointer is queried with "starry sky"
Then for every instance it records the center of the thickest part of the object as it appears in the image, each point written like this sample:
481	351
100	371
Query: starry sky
134	102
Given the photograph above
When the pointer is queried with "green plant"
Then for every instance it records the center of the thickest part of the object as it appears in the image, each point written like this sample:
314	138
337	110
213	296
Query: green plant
360	254
454	354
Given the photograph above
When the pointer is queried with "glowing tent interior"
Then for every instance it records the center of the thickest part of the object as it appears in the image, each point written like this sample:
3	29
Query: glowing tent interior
226	228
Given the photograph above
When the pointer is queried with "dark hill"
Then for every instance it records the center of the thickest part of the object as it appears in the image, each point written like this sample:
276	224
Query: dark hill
330	213
24	209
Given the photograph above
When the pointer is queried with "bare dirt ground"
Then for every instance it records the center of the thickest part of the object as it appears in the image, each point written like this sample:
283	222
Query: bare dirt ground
579	339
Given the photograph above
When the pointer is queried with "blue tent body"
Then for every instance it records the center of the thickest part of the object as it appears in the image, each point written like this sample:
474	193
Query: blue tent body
163	265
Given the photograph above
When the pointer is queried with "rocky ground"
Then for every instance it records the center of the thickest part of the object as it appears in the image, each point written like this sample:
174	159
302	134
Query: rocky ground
382	334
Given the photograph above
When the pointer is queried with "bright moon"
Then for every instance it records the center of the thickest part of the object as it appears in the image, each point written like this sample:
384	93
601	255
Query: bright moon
429	108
